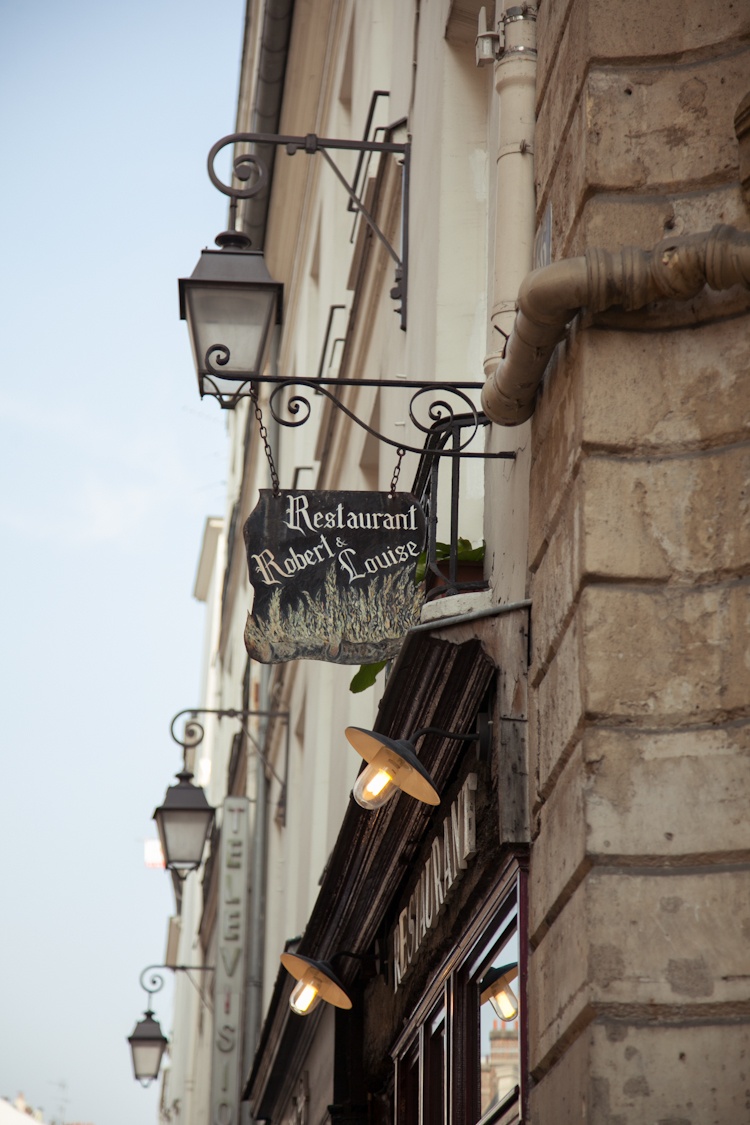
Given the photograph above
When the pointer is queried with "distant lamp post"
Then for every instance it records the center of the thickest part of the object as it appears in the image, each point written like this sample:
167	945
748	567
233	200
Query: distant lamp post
392	765
231	304
495	986
147	1044
184	822
316	981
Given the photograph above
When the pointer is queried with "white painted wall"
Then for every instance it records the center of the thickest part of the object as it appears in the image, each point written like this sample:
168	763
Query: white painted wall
452	117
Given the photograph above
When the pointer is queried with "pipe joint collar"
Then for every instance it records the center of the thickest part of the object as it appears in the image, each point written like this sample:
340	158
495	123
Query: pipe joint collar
676	269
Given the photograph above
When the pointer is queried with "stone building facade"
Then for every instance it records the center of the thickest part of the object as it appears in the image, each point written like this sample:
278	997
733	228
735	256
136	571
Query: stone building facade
609	652
638	557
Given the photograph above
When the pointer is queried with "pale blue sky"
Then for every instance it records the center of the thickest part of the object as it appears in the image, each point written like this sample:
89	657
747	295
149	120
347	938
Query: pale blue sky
109	467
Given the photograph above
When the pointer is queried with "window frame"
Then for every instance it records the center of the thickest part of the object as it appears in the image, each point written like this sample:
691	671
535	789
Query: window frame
454	986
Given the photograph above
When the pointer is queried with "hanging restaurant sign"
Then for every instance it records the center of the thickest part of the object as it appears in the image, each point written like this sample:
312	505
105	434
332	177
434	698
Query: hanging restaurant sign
333	575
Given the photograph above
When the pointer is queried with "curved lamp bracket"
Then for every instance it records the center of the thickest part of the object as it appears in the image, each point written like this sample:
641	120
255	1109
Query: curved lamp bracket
245	163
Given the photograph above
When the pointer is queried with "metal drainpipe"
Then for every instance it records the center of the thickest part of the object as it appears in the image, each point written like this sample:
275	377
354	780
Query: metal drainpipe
266	115
507	488
676	269
254	983
515	216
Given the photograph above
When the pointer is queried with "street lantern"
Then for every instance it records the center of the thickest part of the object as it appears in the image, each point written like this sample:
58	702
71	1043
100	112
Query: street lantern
316	981
147	1045
495	986
231	304
393	765
184	822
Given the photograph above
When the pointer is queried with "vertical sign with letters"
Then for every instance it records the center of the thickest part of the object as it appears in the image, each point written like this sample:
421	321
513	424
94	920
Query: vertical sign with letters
229	982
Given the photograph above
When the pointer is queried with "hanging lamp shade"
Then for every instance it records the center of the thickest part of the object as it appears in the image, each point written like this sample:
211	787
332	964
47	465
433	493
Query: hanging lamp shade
231	303
184	822
316	981
392	765
147	1044
495	986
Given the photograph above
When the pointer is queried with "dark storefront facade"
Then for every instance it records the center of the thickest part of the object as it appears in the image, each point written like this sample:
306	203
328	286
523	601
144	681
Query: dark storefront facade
418	905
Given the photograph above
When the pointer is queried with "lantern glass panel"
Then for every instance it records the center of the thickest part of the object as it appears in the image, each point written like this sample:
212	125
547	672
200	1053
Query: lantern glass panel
147	1058
183	835
237	317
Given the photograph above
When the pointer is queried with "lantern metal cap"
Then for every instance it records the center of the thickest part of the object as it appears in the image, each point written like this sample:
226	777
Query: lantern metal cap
184	797
492	976
231	266
419	783
332	990
233	239
148	1028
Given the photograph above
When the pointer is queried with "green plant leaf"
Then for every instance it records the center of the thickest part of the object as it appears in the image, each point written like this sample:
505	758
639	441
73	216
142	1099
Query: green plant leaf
465	553
442	550
468	553
366	676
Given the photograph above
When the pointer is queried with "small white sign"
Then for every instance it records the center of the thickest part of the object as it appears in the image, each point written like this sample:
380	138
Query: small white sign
152	853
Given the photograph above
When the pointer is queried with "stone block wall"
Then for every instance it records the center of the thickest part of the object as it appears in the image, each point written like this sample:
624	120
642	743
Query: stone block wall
639	555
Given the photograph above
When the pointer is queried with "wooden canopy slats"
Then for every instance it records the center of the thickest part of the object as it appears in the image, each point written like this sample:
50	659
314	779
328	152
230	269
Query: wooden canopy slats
437	683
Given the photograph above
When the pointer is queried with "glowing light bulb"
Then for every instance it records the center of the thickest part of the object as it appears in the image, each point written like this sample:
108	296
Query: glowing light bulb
376	784
505	1003
305	996
380	780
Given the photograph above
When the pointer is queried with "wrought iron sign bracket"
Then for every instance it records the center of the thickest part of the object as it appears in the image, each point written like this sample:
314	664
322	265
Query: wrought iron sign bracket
156	980
243	169
194	733
440	413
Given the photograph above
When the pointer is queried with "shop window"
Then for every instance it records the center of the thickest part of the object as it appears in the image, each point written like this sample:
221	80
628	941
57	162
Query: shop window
408	1085
460	1060
497	983
434	1069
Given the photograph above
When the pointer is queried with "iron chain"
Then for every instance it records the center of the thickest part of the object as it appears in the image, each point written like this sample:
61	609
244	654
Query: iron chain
397	471
264	438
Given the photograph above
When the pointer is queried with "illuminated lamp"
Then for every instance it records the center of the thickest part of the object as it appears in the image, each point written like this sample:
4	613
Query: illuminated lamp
392	765
495	986
316	981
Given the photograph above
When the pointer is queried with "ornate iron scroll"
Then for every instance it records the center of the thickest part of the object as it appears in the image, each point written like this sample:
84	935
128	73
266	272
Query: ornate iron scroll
439	412
244	164
155	981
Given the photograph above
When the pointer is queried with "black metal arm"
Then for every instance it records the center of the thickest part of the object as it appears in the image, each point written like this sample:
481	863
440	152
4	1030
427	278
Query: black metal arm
194	733
156	980
244	164
195	729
